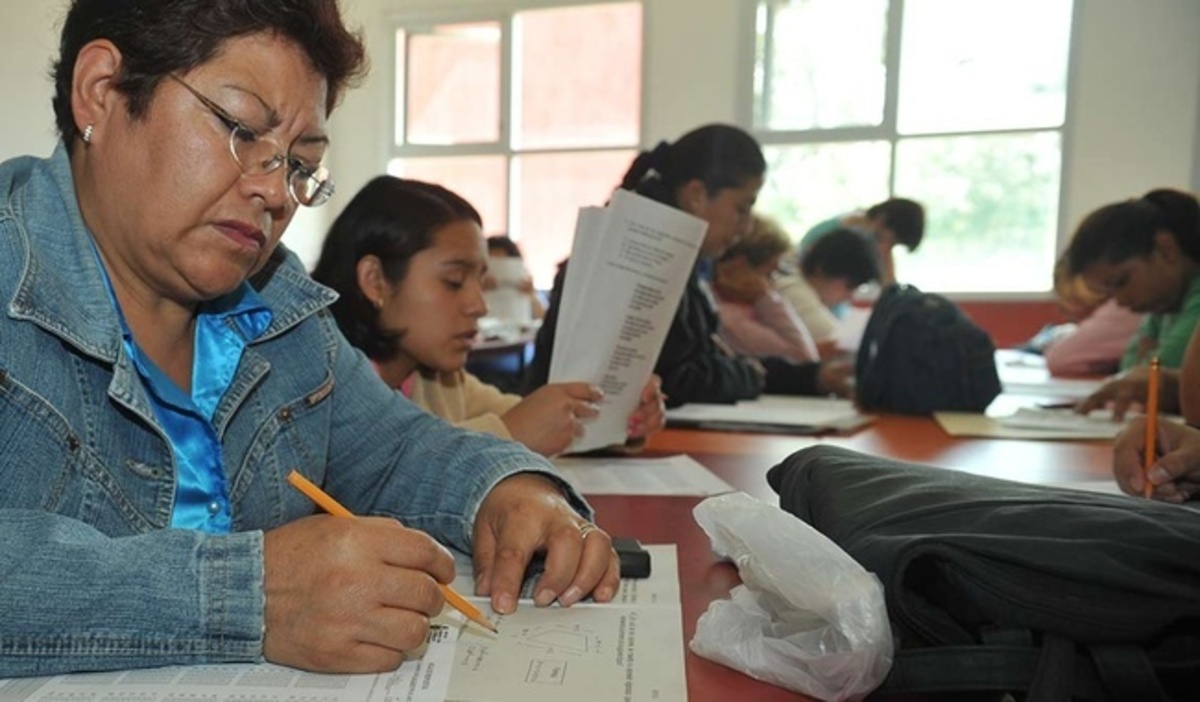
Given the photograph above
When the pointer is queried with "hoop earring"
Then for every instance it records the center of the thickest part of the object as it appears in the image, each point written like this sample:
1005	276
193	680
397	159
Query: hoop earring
87	133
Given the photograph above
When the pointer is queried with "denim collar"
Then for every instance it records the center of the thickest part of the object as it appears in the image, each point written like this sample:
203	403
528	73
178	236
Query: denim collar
62	290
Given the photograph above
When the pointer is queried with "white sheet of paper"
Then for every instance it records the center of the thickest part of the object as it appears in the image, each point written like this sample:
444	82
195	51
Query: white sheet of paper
1099	424
627	649
423	679
673	475
629	264
804	414
631	648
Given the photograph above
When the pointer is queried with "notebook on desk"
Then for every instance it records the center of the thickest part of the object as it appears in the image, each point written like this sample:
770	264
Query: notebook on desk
772	414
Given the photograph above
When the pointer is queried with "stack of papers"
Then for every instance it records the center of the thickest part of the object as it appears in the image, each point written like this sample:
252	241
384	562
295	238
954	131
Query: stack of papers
674	475
1096	425
772	414
1037	423
629	264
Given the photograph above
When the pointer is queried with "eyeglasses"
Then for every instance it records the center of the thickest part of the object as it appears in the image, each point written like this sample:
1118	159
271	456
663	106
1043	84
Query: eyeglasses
308	183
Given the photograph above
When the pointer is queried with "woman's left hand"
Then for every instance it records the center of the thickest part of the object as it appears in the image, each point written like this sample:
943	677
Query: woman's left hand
526	514
651	413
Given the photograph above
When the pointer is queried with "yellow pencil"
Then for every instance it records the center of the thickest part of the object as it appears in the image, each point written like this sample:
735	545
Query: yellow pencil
1151	426
332	506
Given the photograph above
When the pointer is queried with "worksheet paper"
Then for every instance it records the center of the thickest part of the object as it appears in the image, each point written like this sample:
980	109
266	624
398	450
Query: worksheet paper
624	475
629	649
772	413
628	267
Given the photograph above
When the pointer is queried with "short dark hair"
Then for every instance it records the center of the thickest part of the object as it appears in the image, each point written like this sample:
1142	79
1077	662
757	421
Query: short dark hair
720	156
843	253
159	37
500	242
393	219
1125	230
904	217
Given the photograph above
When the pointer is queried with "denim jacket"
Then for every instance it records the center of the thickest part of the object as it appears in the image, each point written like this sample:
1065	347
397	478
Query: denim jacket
91	575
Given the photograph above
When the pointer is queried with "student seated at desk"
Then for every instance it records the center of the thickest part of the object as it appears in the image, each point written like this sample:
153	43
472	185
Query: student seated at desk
501	248
714	173
1145	254
830	271
166	363
895	221
754	319
408	261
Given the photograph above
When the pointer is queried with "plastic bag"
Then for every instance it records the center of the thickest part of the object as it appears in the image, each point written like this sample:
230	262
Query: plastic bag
807	617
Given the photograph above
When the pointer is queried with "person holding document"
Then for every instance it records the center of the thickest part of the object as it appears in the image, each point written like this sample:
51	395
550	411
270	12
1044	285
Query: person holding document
408	260
166	364
713	172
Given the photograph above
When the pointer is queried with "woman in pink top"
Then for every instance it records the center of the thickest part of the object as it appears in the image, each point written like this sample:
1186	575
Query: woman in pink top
1100	334
755	320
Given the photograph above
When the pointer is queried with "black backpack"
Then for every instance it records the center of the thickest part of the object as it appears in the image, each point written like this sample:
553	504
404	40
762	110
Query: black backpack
992	585
920	354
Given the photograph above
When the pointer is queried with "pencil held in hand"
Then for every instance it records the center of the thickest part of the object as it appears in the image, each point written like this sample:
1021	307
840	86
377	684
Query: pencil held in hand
332	506
1151	426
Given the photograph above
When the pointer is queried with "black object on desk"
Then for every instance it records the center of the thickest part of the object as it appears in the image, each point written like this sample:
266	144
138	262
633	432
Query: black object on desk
635	560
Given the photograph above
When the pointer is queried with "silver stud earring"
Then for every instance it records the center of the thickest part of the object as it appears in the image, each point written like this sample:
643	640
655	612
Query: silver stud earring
87	133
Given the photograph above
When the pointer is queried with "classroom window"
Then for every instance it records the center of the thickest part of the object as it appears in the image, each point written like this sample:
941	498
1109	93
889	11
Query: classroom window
958	105
529	114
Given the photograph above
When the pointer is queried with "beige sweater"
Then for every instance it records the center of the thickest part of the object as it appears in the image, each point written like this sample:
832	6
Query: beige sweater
463	400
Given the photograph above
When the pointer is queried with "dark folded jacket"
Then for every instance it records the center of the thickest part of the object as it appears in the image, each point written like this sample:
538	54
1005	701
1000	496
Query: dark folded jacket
998	585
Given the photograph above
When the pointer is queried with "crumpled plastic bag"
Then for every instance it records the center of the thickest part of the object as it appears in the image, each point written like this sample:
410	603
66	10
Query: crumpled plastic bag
807	617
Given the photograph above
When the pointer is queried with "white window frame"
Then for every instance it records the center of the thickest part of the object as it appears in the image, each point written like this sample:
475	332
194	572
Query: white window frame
887	131
434	13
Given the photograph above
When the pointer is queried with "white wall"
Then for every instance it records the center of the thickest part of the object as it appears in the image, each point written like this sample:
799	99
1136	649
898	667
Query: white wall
1135	109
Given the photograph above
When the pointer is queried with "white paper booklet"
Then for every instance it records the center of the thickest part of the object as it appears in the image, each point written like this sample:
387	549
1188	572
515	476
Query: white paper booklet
1099	424
625	475
629	264
772	414
628	649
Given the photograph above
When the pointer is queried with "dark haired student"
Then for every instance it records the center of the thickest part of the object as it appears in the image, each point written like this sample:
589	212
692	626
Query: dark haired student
1145	254
895	221
713	172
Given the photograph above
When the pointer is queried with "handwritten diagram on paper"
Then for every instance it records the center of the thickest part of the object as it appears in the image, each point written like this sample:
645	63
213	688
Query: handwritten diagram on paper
587	652
628	650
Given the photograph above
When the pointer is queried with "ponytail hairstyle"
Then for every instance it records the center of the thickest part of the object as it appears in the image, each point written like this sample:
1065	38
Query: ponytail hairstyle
393	219
1125	230
719	156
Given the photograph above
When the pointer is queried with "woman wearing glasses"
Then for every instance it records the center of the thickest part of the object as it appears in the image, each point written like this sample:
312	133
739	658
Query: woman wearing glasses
165	364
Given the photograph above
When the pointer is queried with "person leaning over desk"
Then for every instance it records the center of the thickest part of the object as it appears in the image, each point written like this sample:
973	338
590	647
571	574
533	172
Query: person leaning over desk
714	173
165	363
1145	254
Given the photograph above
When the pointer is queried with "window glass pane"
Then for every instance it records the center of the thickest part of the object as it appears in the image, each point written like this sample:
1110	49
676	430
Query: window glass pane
481	180
549	189
983	65
453	92
821	65
809	183
578	77
991	211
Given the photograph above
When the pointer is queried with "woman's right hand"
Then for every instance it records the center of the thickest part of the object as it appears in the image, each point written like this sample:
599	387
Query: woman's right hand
1175	474
549	418
349	595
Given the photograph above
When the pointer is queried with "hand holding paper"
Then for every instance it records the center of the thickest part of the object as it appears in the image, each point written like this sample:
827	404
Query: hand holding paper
628	267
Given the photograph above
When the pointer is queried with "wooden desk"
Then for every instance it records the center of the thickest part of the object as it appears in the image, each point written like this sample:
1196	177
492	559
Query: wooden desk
743	460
